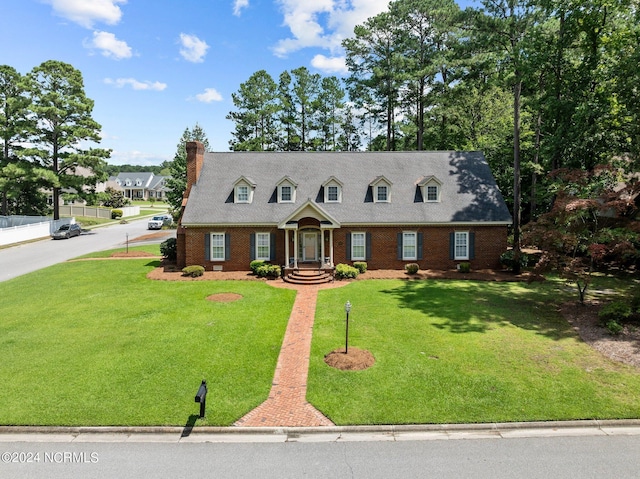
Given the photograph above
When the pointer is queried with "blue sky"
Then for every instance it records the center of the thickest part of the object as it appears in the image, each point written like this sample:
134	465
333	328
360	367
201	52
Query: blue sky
156	67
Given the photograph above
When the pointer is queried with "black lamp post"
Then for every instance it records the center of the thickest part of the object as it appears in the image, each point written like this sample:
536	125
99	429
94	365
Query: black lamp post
347	308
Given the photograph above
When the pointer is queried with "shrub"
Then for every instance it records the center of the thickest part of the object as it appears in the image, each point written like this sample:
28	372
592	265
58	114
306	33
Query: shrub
169	249
361	266
267	270
344	271
614	327
115	214
507	260
617	311
255	264
412	268
464	267
194	271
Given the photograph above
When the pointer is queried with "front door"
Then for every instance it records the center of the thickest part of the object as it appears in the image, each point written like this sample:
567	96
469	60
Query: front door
309	247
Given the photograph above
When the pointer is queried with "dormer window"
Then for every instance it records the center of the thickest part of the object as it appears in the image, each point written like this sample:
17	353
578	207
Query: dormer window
242	193
138	182
381	190
286	190
430	186
118	182
332	190
243	190
127	182
382	193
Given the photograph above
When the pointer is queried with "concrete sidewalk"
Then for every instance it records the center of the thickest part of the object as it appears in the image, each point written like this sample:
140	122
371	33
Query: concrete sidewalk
427	432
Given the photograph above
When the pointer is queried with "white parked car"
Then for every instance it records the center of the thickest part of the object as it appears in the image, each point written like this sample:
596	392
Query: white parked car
157	222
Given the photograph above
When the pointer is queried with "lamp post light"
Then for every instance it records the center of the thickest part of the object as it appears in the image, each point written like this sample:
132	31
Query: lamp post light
347	308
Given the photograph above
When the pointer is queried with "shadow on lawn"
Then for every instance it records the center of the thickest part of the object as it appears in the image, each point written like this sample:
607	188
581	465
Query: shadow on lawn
477	307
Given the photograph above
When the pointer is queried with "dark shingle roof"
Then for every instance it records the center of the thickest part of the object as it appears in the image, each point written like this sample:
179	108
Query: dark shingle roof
469	193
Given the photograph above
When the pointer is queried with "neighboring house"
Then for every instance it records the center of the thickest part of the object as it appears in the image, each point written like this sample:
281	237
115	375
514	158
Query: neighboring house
436	209
139	186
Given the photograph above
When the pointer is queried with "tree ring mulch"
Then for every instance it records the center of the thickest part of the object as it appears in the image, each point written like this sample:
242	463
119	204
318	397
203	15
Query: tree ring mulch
224	297
355	360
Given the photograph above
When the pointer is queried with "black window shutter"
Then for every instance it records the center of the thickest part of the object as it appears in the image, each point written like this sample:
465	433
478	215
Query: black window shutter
252	246
348	243
368	247
227	246
420	241
272	247
472	245
400	246
207	246
452	245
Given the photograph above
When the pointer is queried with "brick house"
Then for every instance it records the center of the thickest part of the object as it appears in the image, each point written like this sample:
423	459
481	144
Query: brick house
389	209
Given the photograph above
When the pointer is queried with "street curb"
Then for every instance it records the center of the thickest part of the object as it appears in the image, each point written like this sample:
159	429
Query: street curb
372	429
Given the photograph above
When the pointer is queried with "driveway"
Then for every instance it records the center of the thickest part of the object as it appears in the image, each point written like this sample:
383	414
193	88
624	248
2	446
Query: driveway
25	258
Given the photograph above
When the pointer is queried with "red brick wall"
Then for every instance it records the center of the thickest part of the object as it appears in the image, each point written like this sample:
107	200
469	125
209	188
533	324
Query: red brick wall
490	242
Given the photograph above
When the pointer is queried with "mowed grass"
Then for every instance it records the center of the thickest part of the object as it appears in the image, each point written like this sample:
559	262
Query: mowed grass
97	343
462	351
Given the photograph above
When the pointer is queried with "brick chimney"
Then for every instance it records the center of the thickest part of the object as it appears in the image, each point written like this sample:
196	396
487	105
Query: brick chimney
195	158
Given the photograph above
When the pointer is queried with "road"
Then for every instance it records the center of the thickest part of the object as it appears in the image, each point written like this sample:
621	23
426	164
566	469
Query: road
28	257
523	457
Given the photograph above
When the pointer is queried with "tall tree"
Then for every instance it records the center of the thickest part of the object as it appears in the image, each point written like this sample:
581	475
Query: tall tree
177	181
373	57
426	31
64	122
330	104
304	97
501	28
255	119
15	123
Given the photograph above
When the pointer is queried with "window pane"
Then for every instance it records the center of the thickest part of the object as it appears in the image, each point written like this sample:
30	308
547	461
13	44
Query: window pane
461	246
432	193
217	246
243	193
382	193
332	193
358	246
285	193
409	246
262	246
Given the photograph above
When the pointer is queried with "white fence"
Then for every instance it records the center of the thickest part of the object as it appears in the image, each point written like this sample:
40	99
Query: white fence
97	212
29	231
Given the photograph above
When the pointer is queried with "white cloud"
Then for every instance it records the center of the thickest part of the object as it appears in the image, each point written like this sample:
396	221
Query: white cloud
209	95
323	23
238	6
329	64
193	49
135	84
87	12
111	47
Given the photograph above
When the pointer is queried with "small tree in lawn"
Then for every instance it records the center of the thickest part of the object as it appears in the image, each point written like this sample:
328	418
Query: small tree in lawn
591	225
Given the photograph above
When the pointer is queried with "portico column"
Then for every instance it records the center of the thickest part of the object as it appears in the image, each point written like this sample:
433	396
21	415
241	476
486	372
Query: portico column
322	248
331	245
286	247
295	248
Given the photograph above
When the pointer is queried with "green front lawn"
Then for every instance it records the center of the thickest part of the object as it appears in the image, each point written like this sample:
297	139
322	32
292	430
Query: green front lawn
96	343
462	351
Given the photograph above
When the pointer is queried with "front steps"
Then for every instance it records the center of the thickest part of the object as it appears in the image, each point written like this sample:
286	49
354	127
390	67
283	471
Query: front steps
308	276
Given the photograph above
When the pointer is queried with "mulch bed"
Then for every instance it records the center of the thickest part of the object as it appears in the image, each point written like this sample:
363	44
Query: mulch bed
224	297
355	360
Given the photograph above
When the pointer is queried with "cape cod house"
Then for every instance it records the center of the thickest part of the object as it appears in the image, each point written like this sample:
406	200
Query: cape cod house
435	208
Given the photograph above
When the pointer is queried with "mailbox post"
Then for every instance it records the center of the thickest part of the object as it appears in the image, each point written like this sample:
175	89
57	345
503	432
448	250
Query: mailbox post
201	397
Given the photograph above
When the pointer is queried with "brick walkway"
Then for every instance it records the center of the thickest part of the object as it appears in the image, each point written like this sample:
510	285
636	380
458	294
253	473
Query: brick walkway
287	405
